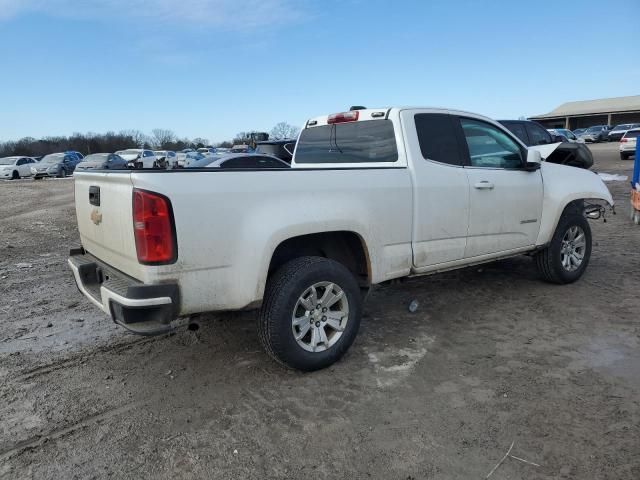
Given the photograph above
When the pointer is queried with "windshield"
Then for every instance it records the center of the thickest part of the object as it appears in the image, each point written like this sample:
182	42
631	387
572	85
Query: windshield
8	160
632	134
53	158
621	127
594	129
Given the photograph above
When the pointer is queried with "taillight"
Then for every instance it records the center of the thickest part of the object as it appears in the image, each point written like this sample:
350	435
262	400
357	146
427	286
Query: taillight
343	117
153	228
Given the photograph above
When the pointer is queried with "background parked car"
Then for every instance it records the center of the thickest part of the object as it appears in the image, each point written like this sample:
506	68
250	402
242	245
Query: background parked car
533	134
76	153
207	151
98	161
248	160
628	143
166	158
55	165
195	160
566	135
595	134
138	157
283	149
16	167
618	131
578	131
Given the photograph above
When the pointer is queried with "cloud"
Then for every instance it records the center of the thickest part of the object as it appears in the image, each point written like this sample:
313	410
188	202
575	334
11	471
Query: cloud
228	14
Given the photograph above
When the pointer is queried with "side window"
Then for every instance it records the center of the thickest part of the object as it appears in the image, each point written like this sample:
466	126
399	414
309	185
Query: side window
538	135
489	146
22	161
518	130
437	138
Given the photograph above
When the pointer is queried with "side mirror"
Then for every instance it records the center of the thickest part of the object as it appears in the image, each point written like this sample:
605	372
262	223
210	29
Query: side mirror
534	159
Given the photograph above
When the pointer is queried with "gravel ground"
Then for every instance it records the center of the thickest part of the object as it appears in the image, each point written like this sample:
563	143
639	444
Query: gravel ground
492	357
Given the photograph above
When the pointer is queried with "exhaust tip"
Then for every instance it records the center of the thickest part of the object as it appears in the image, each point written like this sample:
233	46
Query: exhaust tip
193	326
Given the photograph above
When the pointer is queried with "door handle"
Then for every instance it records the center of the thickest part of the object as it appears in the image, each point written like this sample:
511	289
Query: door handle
484	185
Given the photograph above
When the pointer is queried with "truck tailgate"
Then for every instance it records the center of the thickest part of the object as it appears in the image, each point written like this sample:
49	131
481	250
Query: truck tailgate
105	219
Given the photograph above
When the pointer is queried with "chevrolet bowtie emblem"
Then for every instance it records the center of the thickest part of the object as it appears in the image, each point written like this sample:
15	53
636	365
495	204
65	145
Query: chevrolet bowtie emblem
96	217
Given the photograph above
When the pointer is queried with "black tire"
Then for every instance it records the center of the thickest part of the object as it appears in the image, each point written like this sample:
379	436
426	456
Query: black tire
15	175
549	260
63	173
37	178
283	290
624	156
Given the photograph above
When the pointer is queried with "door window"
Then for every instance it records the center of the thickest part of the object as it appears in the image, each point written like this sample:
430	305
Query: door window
22	161
518	130
489	146
538	135
437	138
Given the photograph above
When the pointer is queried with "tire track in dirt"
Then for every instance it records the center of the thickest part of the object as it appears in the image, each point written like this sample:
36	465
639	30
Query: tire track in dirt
40	370
37	441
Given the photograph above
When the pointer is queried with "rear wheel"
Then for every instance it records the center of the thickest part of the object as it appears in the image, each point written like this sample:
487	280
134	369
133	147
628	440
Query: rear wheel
567	256
63	173
311	313
624	156
15	175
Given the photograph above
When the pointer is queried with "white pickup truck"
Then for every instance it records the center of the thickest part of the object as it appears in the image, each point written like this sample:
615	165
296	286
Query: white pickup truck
372	195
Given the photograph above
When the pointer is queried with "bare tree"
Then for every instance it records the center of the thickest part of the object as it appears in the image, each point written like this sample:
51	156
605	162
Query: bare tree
162	138
137	137
283	130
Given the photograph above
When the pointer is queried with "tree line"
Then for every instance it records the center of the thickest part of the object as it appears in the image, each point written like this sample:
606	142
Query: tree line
159	139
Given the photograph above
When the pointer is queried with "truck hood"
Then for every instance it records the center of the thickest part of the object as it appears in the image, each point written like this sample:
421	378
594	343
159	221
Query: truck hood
545	150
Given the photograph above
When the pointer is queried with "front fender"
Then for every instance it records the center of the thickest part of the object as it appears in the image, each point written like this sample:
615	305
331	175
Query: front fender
563	185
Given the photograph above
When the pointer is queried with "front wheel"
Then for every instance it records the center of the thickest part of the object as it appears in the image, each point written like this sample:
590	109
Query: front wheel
310	313
566	257
15	175
624	156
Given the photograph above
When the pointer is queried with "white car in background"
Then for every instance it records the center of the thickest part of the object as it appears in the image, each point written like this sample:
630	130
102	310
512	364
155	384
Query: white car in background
207	151
16	167
166	158
139	158
628	143
195	160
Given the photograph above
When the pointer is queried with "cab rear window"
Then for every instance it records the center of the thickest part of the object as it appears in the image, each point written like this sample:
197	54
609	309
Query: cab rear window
355	142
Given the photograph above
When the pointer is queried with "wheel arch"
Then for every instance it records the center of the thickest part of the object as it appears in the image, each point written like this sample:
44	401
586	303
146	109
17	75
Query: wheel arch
346	247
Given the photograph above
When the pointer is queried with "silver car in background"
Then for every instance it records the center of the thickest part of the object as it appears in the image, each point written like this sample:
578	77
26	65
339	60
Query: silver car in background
101	161
58	165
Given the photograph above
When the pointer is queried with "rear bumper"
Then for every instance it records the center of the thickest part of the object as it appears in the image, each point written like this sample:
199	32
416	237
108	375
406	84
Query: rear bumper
140	308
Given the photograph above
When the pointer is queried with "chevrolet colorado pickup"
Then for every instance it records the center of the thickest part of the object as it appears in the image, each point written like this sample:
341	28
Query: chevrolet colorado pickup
372	195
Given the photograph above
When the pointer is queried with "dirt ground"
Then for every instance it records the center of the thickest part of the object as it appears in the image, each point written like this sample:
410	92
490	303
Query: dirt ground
492	356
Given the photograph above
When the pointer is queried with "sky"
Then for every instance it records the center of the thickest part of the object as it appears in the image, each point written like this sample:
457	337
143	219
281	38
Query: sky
212	68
